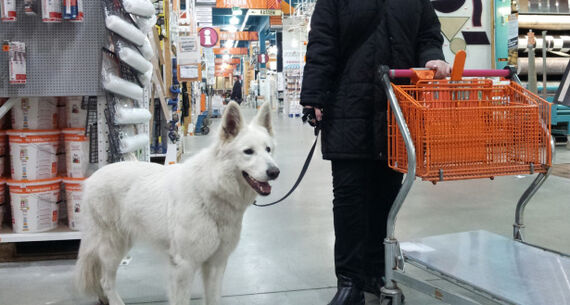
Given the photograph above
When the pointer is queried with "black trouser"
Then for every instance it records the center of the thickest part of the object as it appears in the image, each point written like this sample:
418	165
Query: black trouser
364	191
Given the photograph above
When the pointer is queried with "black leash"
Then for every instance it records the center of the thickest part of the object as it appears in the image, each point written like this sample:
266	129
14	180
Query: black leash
303	170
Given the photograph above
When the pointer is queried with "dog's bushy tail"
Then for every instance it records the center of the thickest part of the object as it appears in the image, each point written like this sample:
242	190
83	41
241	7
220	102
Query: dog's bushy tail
88	268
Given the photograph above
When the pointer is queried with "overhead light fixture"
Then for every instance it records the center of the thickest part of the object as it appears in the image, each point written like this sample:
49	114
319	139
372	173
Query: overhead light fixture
236	11
226	57
234	20
228	44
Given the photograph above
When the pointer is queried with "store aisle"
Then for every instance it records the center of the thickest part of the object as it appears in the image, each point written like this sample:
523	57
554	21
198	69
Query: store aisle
285	254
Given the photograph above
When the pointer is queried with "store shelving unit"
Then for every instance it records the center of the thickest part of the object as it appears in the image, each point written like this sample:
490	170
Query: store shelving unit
63	59
62	232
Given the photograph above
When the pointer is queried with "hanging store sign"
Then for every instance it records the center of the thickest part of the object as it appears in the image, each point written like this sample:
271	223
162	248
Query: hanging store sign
260	12
190	72
231	51
208	37
260	4
275	21
247	36
188	51
262	58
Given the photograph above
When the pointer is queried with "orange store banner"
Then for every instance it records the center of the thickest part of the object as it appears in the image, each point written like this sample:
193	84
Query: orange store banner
231	51
239	36
267	4
229	61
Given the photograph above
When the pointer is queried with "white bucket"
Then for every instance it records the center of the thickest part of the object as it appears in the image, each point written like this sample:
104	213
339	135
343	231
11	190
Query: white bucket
35	113
75	113
3	151
76	152
33	154
73	194
34	205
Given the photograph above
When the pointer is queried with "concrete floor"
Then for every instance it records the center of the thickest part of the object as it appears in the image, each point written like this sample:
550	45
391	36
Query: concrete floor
285	255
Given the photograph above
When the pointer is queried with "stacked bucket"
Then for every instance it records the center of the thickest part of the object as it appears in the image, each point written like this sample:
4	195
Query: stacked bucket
42	149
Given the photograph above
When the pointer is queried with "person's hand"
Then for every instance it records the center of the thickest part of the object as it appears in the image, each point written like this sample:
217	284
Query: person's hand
442	69
318	115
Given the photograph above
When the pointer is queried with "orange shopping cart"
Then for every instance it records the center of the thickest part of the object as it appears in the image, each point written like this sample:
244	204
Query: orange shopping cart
457	129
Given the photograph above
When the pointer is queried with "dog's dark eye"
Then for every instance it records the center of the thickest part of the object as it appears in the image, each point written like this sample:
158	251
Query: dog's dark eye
248	151
268	149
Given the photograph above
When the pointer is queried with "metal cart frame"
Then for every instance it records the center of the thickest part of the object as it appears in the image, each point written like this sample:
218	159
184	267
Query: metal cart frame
395	258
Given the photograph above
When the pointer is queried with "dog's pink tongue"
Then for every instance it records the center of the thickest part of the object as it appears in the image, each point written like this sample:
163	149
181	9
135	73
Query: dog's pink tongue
265	188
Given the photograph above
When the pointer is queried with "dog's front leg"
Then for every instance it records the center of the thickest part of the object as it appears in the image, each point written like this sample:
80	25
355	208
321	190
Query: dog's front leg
181	276
213	275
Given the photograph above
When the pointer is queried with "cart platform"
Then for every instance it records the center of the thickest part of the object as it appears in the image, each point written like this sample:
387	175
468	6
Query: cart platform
508	270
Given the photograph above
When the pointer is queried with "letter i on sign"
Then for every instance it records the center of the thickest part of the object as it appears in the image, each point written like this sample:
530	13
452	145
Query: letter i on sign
208	37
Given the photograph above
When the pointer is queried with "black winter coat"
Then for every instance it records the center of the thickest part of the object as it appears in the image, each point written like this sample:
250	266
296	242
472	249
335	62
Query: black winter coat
348	41
236	92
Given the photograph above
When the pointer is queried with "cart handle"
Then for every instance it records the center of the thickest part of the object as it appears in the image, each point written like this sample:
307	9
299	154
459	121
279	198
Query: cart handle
408	73
383	72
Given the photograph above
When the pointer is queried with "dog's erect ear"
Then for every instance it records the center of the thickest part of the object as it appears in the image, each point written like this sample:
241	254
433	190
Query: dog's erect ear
232	122
263	117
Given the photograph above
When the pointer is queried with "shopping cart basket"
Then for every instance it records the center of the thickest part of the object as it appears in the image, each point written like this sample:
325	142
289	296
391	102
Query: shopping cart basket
442	130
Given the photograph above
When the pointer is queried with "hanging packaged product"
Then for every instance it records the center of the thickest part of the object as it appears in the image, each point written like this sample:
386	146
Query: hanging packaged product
146	49
142	8
132	57
31	7
17	63
51	11
8	10
124	29
145	24
119	78
70	9
125	116
80	12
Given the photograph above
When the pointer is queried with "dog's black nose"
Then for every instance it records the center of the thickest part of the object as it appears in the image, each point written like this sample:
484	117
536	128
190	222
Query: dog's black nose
273	173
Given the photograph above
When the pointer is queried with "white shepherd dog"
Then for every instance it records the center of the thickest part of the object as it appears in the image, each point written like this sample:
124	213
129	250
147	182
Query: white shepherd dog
193	210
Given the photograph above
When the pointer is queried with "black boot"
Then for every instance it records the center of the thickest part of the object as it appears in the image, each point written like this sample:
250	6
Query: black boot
373	285
348	293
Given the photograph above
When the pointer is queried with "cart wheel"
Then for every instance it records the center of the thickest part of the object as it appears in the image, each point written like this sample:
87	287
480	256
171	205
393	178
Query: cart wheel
386	302
205	130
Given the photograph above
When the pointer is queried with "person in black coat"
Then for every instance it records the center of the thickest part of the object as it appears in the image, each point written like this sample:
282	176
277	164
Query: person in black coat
236	91
348	41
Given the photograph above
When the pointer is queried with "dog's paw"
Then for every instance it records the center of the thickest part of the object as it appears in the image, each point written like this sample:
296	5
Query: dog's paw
103	302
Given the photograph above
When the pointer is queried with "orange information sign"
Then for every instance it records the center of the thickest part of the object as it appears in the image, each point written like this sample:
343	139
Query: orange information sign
220	61
230	51
267	4
275	20
249	36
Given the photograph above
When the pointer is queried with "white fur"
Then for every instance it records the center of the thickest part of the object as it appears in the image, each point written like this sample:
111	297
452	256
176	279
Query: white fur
193	210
